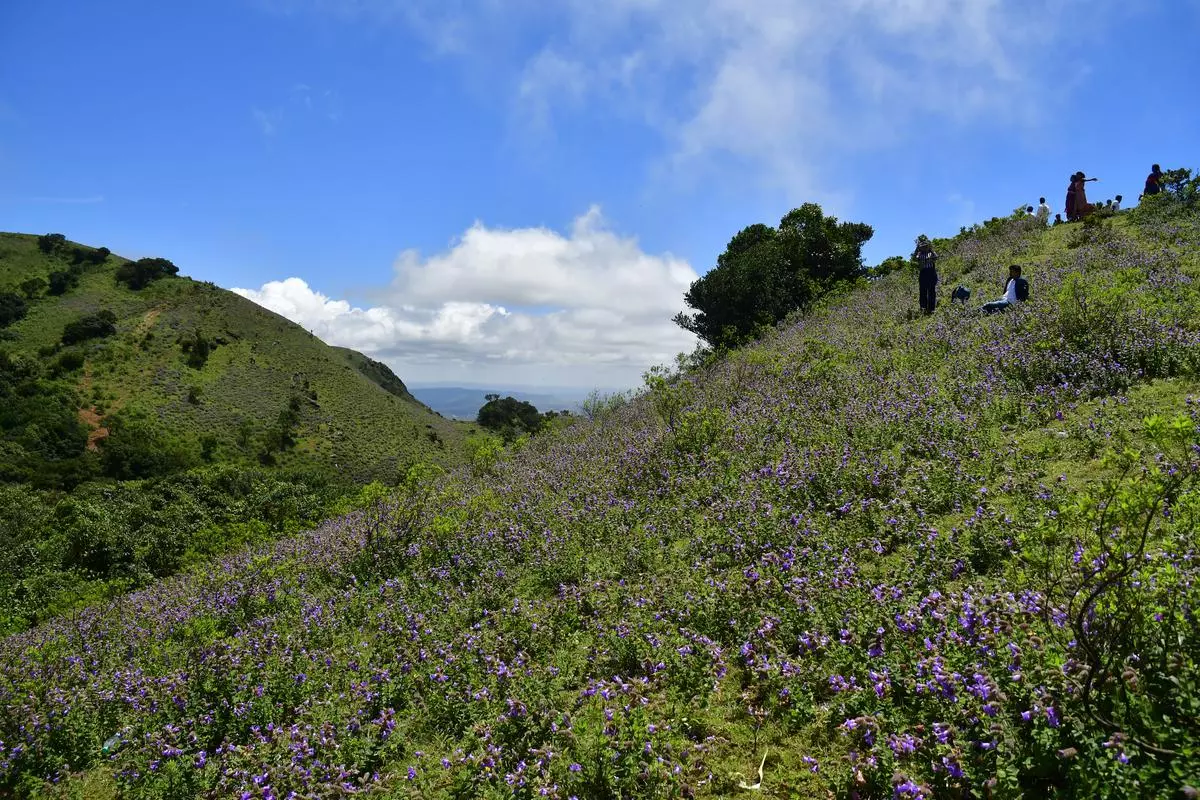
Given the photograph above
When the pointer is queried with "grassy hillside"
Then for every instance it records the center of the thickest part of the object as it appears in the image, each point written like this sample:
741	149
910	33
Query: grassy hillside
351	414
874	555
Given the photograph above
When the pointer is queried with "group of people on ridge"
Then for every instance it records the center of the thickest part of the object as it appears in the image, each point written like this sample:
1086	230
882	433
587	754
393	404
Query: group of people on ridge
1016	288
1078	206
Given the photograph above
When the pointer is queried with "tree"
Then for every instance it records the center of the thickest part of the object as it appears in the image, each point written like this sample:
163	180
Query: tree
508	416
12	308
50	243
141	273
766	273
888	266
87	257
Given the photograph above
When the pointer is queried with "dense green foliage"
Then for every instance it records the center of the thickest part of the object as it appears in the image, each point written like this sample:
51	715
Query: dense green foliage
508	416
12	308
122	384
217	373
767	273
60	550
141	273
90	326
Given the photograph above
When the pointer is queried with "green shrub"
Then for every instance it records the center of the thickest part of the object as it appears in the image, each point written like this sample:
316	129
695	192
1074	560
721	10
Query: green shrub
92	326
12	308
141	273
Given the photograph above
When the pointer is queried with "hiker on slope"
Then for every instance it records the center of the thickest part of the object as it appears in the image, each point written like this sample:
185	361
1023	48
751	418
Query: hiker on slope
927	277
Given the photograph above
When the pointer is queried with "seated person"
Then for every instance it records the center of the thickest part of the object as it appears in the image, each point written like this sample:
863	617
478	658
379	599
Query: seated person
1058	220
1016	290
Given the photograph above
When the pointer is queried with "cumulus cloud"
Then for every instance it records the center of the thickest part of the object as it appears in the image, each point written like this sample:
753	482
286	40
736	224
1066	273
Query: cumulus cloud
587	307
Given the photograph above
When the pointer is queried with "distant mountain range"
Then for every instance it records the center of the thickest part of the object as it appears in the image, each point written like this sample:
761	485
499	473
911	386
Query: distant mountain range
464	402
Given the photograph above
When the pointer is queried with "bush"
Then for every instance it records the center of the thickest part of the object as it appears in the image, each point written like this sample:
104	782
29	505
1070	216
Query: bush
32	288
63	280
85	256
141	273
12	308
137	448
197	349
51	243
93	326
68	362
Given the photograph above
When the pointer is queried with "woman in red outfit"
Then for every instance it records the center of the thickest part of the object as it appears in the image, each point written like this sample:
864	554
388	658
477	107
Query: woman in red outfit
1082	206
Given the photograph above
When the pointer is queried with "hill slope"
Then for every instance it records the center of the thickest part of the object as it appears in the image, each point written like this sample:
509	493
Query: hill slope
875	555
211	366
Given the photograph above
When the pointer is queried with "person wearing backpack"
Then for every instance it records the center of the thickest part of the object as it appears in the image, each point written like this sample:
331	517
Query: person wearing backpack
927	277
1016	290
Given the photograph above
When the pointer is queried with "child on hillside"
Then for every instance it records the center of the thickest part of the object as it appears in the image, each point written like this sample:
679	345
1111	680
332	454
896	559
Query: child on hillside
1043	210
1116	204
1016	290
927	277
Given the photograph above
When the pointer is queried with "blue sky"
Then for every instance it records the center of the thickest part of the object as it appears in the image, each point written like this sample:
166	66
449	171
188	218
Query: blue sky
520	191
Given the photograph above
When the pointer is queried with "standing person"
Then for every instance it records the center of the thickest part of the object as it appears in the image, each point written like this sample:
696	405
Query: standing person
927	277
1071	217
1153	181
1043	210
1082	208
1117	203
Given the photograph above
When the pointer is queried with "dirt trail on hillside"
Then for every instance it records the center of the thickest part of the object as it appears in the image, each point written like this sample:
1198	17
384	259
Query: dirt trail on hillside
148	321
90	417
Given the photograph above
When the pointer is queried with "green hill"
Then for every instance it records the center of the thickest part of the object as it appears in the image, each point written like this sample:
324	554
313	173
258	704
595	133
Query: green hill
872	555
227	378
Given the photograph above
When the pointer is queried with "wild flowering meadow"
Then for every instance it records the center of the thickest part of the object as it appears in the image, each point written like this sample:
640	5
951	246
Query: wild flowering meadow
875	555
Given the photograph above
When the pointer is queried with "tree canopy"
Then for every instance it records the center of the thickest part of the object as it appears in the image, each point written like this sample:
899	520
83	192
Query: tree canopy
509	416
141	273
766	273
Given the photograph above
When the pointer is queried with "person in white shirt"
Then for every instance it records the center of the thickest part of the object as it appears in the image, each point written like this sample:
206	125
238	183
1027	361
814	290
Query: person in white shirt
1116	206
1043	211
1015	291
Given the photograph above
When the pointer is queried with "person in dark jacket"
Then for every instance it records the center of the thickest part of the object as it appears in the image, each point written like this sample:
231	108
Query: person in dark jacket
1016	290
927	277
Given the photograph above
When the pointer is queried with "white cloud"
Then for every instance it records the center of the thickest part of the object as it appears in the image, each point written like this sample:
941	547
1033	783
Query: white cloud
787	87
529	305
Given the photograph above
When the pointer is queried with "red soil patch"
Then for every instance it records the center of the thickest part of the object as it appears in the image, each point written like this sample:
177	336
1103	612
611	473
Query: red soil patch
97	432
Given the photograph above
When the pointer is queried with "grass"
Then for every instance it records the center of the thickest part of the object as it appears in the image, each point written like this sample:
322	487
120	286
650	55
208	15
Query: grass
362	423
853	553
